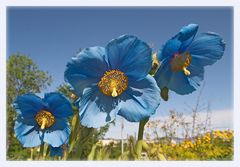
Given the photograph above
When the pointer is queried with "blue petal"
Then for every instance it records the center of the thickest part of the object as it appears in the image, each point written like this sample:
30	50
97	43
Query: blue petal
197	73
182	84
28	121
21	128
186	36
59	124
86	69
187	32
96	109
206	49
140	100
169	49
57	138
179	43
178	81
58	105
130	55
164	73
56	151
28	105
27	135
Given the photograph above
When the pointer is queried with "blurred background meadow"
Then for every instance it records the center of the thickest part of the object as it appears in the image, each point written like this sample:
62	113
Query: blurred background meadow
198	126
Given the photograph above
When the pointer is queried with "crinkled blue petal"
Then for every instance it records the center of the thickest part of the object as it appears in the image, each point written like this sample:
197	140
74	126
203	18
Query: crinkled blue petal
164	73
59	124
86	68
179	43
97	109
197	73
182	84
57	138
186	36
206	49
178	81
28	105
28	121
140	100
58	105
171	47
27	135
166	78
20	127
130	55
188	32
56	151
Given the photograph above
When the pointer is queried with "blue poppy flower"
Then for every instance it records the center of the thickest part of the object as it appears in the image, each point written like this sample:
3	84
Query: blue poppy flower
42	120
114	80
183	59
56	151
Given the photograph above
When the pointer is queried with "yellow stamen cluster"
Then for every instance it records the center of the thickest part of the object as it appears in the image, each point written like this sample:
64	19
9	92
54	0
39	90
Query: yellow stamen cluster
155	64
44	119
113	83
180	62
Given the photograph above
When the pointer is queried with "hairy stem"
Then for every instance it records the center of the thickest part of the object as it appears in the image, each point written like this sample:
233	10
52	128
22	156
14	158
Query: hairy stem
140	137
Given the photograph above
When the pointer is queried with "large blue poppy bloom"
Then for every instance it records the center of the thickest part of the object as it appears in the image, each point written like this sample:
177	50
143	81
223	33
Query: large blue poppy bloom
42	120
114	80
184	56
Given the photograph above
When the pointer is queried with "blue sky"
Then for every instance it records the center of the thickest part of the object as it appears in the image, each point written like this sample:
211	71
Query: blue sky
51	36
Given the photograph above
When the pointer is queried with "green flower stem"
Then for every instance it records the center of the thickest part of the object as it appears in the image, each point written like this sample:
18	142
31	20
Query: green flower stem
31	156
41	151
140	141
92	153
65	153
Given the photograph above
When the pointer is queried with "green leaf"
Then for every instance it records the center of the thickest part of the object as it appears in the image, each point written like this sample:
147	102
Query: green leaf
92	153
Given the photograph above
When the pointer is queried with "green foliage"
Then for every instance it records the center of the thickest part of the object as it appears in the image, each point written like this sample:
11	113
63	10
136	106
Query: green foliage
23	76
130	153
99	152
217	145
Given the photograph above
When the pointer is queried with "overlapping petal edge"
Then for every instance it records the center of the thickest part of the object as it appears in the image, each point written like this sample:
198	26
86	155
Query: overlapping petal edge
205	49
27	130
127	54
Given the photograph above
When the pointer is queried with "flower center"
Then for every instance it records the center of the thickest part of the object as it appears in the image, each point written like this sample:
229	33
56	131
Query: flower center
180	62
44	119
113	83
